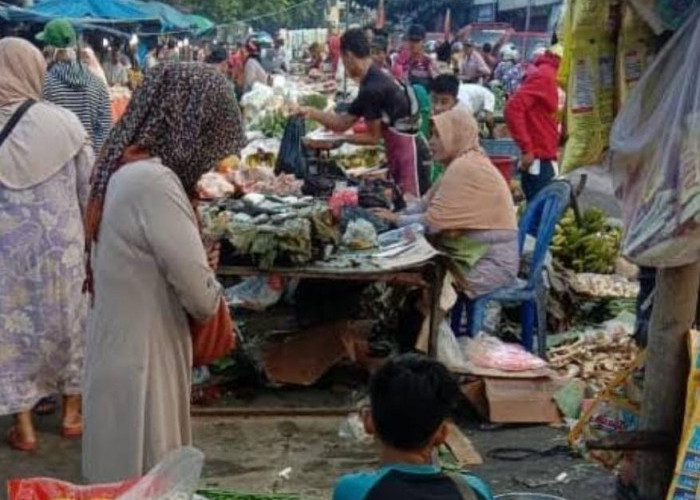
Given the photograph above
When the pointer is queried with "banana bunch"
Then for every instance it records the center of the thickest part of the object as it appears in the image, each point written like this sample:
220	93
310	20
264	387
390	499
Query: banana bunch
591	247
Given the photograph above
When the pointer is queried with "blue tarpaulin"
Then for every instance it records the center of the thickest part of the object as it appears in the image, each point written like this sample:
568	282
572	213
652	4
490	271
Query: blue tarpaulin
119	11
99	9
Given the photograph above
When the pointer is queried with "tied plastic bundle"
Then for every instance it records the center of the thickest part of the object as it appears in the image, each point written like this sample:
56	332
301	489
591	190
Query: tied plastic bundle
490	352
655	156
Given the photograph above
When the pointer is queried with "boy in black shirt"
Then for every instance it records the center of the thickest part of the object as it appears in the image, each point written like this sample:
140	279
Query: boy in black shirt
391	112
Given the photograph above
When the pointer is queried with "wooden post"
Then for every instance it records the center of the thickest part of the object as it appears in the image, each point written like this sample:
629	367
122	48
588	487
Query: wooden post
666	372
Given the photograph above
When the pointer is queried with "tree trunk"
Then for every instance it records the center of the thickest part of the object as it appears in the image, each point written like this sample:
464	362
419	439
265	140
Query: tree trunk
666	372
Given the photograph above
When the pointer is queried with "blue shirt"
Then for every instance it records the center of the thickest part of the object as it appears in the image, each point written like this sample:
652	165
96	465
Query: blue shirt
359	486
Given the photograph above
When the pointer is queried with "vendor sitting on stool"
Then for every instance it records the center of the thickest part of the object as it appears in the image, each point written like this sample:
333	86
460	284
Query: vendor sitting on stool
391	112
470	209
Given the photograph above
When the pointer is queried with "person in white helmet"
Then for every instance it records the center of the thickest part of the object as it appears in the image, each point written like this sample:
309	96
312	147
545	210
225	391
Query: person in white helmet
509	72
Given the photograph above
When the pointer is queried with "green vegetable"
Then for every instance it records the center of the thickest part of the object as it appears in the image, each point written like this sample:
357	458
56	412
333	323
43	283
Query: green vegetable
212	494
272	124
592	247
317	101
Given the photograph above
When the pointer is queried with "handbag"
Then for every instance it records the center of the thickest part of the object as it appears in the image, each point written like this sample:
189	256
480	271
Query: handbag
214	338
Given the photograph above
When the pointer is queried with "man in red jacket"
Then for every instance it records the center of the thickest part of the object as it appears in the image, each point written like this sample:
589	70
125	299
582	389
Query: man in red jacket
531	115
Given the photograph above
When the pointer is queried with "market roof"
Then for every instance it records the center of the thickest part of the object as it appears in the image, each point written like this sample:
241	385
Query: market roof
121	11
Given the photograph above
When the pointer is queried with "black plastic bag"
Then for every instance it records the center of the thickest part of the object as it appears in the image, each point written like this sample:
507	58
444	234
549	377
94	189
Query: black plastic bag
291	158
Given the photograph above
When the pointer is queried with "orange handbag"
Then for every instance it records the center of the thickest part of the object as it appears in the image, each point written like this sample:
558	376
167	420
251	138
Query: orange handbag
214	338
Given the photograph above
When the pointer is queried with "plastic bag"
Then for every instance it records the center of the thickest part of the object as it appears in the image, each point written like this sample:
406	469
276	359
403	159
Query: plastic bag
52	489
655	156
291	158
257	293
491	352
176	477
613	410
258	97
360	235
449	352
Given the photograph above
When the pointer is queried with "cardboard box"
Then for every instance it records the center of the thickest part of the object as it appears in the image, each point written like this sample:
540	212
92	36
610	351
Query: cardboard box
517	401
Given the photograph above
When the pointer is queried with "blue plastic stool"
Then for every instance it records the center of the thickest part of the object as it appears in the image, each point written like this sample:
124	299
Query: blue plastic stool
540	219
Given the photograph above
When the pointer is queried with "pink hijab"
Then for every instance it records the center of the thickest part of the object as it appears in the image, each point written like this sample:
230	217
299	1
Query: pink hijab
47	137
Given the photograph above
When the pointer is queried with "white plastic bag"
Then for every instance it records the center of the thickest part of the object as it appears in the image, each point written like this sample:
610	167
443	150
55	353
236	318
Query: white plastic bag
256	293
449	352
655	156
175	478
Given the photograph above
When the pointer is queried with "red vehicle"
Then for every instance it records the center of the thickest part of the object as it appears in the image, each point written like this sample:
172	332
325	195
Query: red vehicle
479	34
527	43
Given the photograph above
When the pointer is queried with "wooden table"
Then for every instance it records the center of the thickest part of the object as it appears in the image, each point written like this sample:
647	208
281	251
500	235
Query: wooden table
429	274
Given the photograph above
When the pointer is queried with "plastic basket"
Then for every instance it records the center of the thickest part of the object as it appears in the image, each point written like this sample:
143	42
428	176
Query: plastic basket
505	164
501	147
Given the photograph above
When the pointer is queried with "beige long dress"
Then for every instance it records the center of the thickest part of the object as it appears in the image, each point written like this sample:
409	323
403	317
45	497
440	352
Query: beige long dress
150	272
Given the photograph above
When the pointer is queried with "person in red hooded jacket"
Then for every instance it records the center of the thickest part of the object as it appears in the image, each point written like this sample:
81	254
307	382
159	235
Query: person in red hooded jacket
531	116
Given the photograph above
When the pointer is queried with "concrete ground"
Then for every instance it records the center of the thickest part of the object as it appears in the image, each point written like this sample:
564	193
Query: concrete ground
248	453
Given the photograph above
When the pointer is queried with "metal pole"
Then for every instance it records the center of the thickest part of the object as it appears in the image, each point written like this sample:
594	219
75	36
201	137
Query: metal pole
345	70
527	15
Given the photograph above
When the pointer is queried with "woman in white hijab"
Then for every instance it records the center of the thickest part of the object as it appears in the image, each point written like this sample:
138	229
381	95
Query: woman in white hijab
46	163
88	57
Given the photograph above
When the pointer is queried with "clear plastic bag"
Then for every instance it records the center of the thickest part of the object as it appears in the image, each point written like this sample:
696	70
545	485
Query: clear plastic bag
175	478
655	156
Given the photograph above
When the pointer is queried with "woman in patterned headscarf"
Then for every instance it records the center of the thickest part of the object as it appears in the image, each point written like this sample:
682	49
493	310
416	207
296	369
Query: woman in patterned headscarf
150	267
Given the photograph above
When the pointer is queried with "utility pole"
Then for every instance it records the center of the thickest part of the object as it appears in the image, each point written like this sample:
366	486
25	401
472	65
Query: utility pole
528	13
666	372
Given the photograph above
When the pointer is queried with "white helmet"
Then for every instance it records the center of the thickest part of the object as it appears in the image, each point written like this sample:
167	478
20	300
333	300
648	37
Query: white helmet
509	53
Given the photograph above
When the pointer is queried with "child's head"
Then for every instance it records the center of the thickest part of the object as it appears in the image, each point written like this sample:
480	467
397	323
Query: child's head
411	397
443	92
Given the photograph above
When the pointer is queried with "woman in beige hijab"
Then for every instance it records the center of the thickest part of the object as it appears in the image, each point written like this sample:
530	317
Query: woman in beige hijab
470	210
46	162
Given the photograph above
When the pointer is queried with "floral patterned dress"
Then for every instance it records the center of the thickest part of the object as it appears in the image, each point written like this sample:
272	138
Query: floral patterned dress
42	308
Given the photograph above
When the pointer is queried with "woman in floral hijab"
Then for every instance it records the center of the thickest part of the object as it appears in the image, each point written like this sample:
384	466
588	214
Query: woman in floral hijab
151	274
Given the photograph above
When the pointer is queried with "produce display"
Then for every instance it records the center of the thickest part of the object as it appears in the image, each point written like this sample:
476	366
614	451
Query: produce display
604	285
592	247
270	230
272	124
315	100
596	358
359	157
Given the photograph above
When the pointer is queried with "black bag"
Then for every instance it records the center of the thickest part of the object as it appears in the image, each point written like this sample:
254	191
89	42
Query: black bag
15	118
291	158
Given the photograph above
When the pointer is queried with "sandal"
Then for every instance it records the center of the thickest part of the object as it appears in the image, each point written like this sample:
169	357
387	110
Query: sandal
16	444
72	431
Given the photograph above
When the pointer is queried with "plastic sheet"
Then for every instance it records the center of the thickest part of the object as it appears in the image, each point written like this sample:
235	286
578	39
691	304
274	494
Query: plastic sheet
655	156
